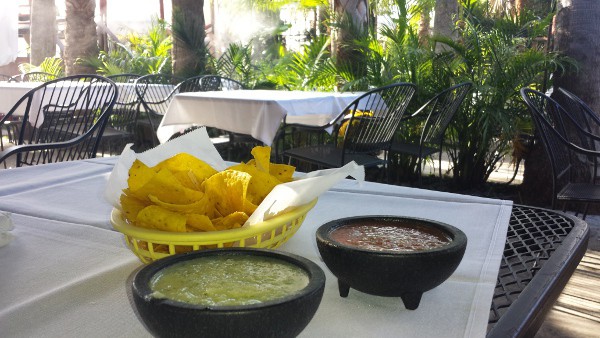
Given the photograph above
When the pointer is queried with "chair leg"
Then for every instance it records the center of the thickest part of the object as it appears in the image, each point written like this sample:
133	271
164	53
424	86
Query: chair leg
420	171
440	165
585	211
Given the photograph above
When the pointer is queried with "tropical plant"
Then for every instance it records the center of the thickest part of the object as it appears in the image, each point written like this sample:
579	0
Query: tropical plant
139	54
236	63
499	63
50	65
190	52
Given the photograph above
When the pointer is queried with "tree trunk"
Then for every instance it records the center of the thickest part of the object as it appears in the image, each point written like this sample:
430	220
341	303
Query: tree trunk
80	33
446	13
577	35
43	30
189	49
354	20
424	22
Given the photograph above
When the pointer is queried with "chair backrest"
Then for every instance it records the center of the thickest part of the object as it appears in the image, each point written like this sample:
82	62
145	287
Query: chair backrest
63	119
440	110
34	77
192	84
552	122
155	92
126	108
582	114
218	83
372	118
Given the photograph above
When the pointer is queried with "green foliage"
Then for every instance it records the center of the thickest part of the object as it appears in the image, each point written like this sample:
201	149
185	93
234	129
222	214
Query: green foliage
236	63
311	68
50	65
499	63
498	51
139	54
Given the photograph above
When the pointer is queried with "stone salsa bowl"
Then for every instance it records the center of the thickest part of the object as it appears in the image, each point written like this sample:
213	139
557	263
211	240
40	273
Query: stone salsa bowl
391	273
281	317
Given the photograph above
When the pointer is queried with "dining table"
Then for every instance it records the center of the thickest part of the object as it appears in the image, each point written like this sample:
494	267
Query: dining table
258	113
65	272
11	92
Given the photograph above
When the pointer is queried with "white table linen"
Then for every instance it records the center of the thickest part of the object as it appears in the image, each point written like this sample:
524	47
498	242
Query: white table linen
11	92
9	32
253	112
69	272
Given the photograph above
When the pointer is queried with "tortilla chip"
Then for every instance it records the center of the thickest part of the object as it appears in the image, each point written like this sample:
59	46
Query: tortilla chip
155	217
283	172
198	207
165	186
262	157
200	222
191	170
231	221
261	182
227	191
139	175
131	206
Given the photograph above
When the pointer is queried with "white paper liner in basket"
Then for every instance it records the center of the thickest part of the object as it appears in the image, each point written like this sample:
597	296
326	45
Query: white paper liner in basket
198	144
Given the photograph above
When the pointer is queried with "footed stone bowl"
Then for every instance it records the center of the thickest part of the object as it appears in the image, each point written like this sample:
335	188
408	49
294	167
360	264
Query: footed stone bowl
404	274
281	317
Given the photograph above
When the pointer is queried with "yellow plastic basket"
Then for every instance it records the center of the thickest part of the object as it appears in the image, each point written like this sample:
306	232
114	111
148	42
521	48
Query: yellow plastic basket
150	245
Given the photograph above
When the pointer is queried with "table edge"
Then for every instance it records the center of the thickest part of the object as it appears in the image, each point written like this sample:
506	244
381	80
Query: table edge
527	313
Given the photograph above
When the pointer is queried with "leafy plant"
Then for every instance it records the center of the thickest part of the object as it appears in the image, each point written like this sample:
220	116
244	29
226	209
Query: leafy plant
499	63
139	54
50	65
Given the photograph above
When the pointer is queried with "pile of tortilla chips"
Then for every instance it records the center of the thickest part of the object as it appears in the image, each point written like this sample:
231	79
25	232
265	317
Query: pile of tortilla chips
185	194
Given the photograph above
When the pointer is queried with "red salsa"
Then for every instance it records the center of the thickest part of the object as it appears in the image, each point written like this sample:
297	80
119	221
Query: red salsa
390	236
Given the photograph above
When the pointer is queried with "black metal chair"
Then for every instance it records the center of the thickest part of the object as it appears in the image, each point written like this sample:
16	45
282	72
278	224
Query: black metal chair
434	117
362	132
121	128
223	140
155	92
218	83
190	84
33	77
573	165
63	120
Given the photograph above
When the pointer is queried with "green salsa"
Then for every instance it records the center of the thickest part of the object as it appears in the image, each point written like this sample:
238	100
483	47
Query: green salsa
228	280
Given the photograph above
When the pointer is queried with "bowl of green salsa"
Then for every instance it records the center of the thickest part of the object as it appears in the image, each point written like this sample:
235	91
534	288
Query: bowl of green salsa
228	293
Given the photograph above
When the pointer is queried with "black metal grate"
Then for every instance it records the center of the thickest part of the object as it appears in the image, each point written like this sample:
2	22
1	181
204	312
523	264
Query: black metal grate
533	235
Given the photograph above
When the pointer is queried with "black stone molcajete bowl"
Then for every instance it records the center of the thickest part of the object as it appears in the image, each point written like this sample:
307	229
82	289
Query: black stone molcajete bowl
283	317
391	273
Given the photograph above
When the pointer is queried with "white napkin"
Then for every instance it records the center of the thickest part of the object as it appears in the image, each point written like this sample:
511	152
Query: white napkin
6	225
198	144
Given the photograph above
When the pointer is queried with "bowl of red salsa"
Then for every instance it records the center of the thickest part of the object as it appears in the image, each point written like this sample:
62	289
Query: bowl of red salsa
390	256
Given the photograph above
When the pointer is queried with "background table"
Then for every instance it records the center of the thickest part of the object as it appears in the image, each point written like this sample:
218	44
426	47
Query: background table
66	273
258	113
11	92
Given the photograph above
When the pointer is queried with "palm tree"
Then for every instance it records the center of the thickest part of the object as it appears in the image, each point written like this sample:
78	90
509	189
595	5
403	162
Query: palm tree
189	51
446	14
43	30
81	40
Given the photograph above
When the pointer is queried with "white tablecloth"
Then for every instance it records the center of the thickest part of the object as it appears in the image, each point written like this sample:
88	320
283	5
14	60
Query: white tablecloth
253	112
9	32
65	274
11	92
